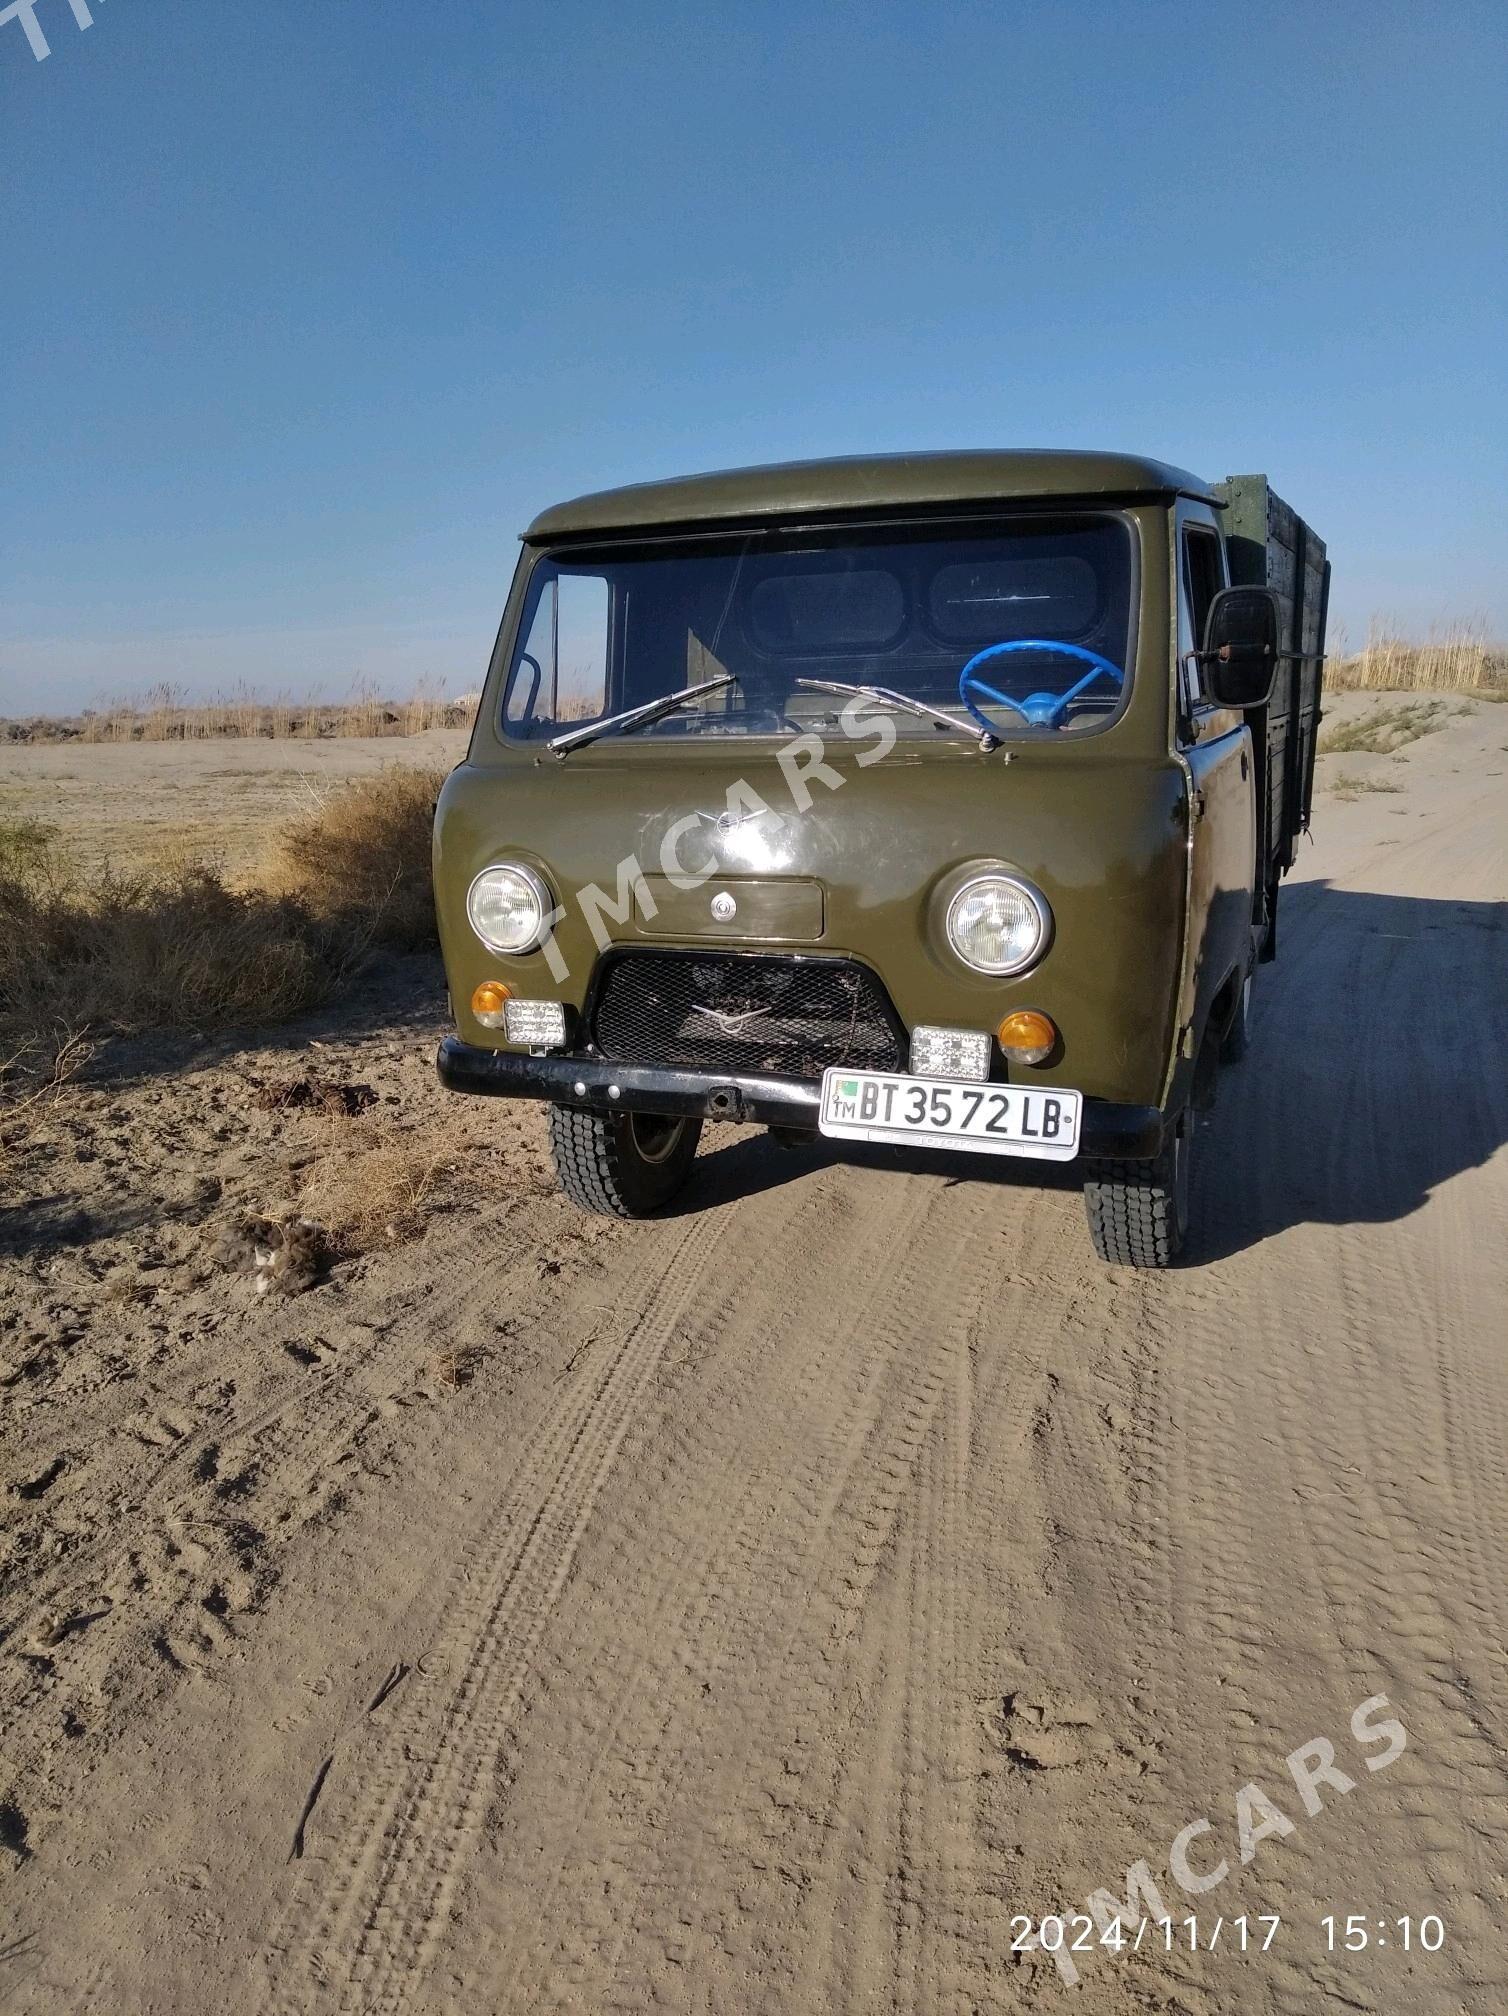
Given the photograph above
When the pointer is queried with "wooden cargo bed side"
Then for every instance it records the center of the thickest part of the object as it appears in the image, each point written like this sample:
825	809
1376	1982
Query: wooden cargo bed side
1270	546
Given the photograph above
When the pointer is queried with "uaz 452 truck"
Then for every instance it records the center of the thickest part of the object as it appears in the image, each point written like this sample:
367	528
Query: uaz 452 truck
940	800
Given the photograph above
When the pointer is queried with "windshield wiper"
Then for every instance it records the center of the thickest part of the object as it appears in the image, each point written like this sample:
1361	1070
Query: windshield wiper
982	736
636	717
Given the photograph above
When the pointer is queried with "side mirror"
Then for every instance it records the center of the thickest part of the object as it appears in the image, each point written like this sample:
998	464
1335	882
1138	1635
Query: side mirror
1240	652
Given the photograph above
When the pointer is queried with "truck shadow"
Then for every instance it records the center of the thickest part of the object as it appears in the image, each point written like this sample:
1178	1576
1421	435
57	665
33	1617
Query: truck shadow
1376	1073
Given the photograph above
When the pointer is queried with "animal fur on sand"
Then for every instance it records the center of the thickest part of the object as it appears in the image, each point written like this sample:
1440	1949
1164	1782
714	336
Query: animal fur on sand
283	1253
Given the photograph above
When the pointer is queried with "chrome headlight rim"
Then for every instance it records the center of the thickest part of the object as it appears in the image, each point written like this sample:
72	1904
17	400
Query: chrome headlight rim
1007	969
538	889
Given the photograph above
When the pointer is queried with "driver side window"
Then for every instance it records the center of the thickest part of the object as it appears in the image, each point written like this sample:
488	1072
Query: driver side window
562	665
1201	576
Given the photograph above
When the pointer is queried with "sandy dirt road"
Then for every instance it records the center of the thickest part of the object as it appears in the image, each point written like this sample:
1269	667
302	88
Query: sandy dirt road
815	1583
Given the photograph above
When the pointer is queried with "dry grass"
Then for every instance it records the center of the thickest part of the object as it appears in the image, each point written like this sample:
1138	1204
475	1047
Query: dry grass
361	856
456	1365
159	950
1389	728
40	1068
1357	787
165	713
377	1185
1454	658
174	947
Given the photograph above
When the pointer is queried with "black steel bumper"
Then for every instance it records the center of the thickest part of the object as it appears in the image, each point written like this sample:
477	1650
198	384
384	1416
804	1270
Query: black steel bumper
1130	1133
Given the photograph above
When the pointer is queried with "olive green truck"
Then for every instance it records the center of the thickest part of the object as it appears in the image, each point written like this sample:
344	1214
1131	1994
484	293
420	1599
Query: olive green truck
941	801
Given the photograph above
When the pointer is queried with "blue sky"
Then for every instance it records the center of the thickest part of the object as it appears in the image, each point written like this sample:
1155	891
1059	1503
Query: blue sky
310	304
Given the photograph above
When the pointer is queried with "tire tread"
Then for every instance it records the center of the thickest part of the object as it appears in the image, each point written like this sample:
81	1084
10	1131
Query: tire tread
1132	1214
598	1168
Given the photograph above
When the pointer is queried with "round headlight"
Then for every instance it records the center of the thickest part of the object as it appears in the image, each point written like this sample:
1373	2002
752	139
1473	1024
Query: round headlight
999	925
508	908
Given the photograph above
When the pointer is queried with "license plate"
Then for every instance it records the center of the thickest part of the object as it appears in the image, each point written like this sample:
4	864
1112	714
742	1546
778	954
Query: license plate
952	1113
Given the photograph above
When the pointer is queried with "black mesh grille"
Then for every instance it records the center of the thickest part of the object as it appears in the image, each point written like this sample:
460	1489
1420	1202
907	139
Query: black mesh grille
744	1012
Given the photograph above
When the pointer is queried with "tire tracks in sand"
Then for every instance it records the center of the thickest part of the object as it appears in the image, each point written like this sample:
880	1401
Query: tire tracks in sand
723	1492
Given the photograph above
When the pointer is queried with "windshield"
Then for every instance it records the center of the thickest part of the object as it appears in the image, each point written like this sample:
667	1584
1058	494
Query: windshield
1023	626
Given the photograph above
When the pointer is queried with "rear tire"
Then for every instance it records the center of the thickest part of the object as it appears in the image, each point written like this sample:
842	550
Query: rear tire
1138	1212
1236	1041
621	1165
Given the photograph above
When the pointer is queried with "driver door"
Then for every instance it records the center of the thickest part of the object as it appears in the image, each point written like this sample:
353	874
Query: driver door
1216	745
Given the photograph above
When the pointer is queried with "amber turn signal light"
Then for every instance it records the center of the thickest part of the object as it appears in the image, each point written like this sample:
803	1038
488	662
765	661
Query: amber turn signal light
489	1001
1026	1036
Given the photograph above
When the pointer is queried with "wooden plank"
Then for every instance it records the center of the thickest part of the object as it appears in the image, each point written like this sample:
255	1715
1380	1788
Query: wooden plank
1270	545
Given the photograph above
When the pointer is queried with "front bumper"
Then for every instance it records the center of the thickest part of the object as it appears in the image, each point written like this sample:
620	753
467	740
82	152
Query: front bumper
1125	1133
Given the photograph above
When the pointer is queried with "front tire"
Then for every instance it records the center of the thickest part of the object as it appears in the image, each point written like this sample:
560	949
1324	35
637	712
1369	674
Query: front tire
621	1165
1138	1212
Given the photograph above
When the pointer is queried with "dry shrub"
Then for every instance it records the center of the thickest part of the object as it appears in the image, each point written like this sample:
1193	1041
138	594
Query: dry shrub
361	858
380	1182
1346	786
1454	658
171	948
39	1068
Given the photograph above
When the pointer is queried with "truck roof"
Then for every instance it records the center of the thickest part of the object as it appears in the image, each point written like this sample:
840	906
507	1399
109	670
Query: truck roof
861	483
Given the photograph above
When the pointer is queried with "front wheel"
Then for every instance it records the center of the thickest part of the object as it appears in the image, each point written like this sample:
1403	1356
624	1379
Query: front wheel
621	1165
1138	1212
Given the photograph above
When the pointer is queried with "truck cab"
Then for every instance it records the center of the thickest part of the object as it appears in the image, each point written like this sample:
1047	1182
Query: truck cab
939	800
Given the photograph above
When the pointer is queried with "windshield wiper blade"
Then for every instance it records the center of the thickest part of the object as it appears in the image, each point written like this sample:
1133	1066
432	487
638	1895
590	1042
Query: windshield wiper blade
982	736
636	717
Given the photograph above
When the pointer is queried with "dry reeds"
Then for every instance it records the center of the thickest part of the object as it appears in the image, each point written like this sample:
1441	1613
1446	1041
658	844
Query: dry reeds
165	713
1454	658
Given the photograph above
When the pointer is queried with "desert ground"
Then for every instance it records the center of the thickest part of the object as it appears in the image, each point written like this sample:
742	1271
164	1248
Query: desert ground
771	1606
150	801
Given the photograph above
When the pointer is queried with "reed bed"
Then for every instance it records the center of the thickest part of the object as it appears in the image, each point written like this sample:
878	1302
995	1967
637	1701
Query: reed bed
165	713
1453	658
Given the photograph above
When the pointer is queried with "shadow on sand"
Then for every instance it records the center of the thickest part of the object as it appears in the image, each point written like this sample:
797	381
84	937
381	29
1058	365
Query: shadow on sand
1378	1070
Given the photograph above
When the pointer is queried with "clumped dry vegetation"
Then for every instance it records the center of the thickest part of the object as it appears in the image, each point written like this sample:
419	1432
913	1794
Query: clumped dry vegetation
1388	728
176	947
377	1183
1359	787
1454	658
361	857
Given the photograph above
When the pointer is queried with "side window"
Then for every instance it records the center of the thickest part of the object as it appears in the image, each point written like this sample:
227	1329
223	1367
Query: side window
581	647
1190	686
560	669
1201	579
531	685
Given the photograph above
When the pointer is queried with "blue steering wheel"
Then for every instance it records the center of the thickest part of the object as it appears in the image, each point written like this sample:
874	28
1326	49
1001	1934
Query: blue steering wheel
1038	710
